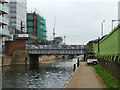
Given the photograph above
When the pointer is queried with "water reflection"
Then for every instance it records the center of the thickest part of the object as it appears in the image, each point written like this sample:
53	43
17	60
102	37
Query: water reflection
44	75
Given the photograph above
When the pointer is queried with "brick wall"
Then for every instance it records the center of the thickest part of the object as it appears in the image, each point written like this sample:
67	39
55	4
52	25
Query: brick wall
12	46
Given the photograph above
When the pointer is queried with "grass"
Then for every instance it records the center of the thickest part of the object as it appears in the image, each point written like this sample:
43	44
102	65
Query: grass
108	79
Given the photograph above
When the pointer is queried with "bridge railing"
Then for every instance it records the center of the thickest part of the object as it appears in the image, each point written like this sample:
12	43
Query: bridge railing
55	52
78	47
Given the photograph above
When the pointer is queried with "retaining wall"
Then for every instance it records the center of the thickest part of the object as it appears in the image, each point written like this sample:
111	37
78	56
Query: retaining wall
46	58
20	57
6	60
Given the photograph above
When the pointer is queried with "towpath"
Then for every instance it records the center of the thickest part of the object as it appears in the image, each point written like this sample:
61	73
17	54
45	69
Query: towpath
85	77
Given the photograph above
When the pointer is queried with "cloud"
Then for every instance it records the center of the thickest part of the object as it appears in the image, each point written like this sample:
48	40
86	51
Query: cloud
81	18
86	1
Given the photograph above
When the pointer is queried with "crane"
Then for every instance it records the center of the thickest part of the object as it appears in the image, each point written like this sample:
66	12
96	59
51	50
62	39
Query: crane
67	37
54	28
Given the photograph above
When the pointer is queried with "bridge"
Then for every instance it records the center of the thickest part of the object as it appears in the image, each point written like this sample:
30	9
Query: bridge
56	49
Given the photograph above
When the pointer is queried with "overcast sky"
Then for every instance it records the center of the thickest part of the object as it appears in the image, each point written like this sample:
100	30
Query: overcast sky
79	20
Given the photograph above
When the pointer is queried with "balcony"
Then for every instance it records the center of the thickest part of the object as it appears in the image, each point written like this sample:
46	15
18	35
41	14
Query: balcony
4	9
4	21
4	1
4	32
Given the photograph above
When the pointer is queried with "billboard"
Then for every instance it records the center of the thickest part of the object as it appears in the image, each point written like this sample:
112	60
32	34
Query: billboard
23	35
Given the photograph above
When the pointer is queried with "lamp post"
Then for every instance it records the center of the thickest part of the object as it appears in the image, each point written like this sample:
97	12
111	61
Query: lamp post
22	28
114	21
102	28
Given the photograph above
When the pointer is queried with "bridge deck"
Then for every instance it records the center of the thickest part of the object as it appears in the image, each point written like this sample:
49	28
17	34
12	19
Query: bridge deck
59	50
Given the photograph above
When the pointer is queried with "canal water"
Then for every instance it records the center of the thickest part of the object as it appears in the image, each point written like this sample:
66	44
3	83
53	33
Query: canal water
52	74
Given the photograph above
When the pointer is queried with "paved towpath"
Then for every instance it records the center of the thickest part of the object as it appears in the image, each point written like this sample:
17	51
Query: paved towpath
85	77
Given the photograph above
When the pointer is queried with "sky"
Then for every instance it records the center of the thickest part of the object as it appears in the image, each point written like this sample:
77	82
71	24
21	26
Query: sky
79	20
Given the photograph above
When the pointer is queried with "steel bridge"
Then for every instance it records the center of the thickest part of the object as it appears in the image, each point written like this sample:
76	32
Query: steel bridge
56	49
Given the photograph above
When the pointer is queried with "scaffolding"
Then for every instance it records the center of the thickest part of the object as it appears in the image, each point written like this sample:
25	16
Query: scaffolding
36	24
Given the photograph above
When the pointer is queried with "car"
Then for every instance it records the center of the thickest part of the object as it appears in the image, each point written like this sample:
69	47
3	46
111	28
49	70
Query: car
92	61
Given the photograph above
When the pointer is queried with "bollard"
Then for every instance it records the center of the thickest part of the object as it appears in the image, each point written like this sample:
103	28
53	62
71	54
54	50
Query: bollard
25	60
74	67
78	62
84	57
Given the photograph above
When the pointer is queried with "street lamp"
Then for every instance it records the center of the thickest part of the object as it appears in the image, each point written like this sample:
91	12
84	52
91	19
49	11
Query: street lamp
114	21
102	28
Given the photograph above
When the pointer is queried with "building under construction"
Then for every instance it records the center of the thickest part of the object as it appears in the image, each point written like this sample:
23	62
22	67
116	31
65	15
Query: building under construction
36	25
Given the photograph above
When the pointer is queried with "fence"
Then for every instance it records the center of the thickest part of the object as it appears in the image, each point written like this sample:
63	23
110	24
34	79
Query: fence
56	49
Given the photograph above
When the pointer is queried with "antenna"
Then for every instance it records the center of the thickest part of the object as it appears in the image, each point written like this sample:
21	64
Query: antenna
54	28
64	39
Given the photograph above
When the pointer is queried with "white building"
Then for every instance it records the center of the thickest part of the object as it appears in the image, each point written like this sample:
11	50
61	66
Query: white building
118	12
17	14
4	22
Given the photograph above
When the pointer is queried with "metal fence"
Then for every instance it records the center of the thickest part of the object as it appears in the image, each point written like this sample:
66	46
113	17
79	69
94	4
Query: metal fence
56	49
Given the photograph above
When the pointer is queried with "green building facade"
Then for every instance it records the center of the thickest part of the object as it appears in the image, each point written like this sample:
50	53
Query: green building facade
36	26
107	51
109	45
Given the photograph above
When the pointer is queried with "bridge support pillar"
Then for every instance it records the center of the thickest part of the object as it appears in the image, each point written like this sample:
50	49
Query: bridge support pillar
34	59
63	57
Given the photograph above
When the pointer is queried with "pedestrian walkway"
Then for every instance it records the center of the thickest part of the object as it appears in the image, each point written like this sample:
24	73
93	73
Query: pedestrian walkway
85	77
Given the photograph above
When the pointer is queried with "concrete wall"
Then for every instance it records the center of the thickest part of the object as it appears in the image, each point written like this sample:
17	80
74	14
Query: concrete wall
46	58
12	46
53	57
6	60
20	57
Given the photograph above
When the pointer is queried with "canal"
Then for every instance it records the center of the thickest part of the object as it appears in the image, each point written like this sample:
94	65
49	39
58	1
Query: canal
52	74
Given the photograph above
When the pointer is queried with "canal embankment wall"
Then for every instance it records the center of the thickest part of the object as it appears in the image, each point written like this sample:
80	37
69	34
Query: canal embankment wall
108	52
52	57
6	60
21	58
15	54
